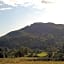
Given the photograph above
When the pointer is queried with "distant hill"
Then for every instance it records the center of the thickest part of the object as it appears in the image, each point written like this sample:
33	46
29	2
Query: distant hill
36	36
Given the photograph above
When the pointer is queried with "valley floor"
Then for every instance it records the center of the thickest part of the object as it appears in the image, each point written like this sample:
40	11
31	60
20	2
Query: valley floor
23	61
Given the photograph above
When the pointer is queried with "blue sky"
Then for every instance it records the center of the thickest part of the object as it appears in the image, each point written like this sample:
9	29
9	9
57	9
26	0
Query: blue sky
15	14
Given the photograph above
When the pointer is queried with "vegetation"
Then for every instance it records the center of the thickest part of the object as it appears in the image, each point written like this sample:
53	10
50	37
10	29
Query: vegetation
27	52
42	54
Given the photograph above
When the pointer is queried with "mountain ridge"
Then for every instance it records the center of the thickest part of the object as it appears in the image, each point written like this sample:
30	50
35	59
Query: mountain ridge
37	35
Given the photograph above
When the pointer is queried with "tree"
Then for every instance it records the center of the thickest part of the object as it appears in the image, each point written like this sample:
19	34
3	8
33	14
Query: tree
19	54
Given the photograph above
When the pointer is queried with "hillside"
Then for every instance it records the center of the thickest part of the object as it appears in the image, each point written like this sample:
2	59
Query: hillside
36	36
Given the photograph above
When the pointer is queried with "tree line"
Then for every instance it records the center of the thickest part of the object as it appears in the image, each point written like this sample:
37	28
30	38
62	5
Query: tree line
55	54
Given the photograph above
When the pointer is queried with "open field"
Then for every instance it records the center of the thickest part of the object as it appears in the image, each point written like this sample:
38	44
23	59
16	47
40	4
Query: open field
23	61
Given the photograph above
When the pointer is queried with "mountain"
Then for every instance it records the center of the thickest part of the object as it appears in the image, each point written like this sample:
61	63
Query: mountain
36	36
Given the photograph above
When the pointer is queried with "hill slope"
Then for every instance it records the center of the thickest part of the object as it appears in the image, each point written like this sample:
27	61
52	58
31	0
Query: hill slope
37	35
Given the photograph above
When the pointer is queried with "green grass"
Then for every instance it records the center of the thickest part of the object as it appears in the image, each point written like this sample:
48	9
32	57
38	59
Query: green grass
42	54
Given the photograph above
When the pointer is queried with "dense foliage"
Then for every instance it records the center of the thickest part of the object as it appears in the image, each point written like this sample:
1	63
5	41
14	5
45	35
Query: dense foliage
27	52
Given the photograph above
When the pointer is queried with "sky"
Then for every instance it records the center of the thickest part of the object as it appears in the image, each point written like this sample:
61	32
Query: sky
16	14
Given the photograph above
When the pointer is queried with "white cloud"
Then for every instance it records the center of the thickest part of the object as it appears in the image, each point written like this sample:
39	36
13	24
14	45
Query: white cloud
36	3
9	2
53	13
2	9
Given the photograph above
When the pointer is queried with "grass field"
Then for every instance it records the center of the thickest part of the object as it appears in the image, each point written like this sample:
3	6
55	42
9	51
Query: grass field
23	61
42	54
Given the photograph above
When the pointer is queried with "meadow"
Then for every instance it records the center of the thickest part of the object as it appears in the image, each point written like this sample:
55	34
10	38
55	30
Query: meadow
24	61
